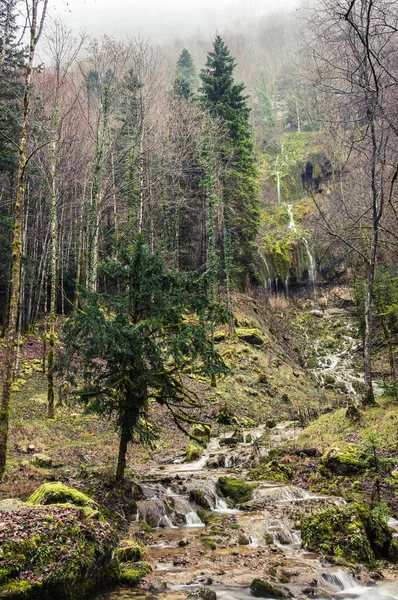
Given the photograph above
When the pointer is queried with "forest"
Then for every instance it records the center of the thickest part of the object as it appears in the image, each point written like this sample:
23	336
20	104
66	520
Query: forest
199	307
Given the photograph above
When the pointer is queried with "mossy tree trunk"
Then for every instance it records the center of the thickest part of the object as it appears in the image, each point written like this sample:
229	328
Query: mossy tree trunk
54	241
36	26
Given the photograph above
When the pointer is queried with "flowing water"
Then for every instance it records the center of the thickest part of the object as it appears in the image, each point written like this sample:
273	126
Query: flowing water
243	550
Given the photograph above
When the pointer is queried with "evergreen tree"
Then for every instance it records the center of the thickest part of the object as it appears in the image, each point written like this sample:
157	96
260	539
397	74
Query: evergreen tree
134	342
186	78
226	99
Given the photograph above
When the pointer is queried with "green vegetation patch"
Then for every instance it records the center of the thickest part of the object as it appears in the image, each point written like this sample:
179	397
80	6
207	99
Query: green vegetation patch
350	532
54	552
237	490
271	471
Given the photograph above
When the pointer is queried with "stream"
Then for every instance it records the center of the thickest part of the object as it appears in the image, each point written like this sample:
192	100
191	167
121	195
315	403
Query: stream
261	537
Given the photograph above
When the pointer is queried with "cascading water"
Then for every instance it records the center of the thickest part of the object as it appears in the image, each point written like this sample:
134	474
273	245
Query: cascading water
169	500
311	260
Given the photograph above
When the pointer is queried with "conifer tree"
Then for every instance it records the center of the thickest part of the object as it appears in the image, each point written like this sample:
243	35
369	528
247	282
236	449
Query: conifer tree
186	78
226	99
134	343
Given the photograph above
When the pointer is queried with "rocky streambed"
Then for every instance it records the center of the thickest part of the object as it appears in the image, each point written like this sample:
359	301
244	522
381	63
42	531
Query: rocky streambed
208	527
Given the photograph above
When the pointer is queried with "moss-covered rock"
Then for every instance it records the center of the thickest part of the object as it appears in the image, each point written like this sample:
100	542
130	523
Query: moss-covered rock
352	532
263	589
251	336
209	543
192	452
351	461
237	490
54	552
131	552
58	493
42	461
132	573
271	471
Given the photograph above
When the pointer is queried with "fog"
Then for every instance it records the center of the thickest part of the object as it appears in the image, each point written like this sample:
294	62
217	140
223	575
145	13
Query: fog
162	19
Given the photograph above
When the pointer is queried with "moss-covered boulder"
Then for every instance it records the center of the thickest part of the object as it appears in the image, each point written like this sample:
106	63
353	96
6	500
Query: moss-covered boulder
54	552
237	490
271	471
263	589
352	532
132	573
130	552
42	461
192	452
58	493
351	460
251	336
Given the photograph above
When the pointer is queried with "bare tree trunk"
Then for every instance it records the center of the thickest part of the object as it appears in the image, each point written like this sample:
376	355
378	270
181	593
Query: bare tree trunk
11	333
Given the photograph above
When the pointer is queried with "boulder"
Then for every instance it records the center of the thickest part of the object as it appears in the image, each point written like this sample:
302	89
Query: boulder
131	552
42	461
263	589
237	490
58	493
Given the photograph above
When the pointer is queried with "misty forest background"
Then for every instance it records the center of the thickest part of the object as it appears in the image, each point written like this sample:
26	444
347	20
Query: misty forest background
124	163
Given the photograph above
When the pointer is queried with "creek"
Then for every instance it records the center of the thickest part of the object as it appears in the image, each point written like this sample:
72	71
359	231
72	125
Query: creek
253	540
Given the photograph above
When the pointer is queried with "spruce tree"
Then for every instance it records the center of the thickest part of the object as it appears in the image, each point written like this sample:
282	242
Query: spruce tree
134	342
186	78
226	99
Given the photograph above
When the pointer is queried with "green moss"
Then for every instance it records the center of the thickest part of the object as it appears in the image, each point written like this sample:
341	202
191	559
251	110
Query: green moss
251	336
129	553
352	532
57	493
131	575
38	541
351	461
42	461
238	490
271	471
263	589
209	543
193	452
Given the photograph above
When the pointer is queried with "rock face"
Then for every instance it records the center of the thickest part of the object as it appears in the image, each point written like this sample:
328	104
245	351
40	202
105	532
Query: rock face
54	552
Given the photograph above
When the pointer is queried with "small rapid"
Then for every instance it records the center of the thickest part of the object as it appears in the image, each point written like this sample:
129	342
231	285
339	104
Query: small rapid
247	542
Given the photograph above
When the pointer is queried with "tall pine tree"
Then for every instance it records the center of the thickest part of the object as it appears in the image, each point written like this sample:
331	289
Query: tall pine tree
186	78
226	99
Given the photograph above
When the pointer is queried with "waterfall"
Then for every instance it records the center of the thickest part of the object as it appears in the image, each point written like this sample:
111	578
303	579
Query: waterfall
292	224
193	520
312	266
228	462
